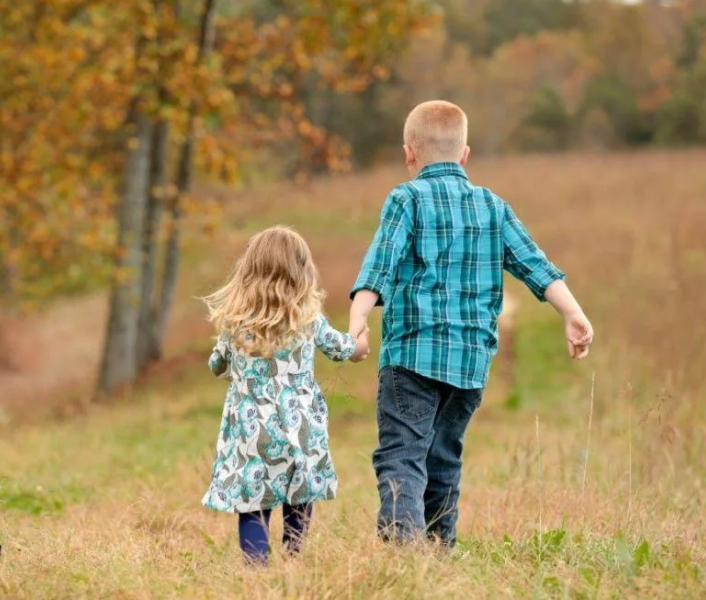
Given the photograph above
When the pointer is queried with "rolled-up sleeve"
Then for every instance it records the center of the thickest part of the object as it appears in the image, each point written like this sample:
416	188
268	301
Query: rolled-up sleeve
523	259
390	244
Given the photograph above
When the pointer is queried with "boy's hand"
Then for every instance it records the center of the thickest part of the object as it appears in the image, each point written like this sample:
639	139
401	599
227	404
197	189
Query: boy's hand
358	324
362	346
363	303
579	335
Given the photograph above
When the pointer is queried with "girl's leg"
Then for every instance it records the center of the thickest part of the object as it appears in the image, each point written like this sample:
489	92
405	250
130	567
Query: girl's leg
296	525
254	530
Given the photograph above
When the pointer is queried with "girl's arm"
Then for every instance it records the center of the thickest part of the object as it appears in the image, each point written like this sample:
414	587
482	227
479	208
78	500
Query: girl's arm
339	346
221	358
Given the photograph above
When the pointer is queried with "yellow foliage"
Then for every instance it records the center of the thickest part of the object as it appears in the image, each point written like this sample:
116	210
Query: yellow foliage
72	71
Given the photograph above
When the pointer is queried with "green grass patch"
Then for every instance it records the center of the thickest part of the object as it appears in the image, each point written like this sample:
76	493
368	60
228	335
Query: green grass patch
36	500
576	565
541	366
543	374
342	406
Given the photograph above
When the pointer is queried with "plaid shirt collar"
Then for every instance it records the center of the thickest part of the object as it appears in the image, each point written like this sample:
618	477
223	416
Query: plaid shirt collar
442	169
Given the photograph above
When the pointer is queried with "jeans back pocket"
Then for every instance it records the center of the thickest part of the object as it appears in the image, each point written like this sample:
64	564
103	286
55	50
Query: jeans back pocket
415	396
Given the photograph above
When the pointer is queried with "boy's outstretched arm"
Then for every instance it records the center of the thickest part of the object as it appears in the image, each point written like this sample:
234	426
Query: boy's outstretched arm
525	260
579	332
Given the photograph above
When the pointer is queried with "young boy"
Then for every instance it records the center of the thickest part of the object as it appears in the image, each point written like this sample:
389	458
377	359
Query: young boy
436	266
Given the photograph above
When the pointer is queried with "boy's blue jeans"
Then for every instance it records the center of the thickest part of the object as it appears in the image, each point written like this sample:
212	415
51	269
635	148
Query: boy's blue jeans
421	424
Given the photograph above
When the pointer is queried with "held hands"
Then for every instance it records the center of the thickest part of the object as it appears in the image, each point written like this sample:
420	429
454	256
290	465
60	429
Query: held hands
363	303
357	324
362	344
579	335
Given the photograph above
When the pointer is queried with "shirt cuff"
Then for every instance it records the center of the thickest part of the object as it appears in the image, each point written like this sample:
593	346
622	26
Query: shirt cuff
540	280
373	282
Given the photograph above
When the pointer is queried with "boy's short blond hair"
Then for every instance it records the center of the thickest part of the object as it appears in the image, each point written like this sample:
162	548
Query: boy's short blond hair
437	131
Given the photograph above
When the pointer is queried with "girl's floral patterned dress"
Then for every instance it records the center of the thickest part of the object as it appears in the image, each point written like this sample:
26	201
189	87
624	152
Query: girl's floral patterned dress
273	443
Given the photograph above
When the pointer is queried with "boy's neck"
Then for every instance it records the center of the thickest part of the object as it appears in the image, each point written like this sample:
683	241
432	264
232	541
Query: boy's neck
416	170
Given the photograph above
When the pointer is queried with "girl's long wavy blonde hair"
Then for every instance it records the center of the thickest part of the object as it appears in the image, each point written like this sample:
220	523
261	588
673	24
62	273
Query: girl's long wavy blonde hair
272	296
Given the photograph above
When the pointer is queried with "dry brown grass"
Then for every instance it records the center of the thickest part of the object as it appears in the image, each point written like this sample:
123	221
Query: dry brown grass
116	513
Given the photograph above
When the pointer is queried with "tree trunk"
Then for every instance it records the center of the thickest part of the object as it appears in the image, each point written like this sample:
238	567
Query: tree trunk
119	364
9	270
171	257
158	164
184	175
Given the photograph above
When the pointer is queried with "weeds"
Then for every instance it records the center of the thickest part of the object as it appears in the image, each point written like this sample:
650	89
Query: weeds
107	505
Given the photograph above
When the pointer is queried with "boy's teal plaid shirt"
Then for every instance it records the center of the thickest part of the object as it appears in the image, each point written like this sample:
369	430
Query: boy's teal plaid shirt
437	263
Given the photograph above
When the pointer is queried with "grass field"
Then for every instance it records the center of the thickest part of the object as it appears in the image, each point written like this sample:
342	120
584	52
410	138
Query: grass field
580	480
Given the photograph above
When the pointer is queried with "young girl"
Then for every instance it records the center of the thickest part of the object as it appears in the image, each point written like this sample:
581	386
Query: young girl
273	445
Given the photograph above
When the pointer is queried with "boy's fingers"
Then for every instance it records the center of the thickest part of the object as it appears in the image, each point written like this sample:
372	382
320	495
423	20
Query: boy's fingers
587	333
357	329
578	351
582	340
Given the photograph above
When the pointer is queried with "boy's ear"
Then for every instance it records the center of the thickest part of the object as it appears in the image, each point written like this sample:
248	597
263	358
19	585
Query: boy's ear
409	158
464	156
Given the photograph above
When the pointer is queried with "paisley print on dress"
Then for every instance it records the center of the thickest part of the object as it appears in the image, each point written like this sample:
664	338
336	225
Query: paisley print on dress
273	445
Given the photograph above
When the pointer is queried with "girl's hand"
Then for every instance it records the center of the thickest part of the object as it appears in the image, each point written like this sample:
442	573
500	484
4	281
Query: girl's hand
362	346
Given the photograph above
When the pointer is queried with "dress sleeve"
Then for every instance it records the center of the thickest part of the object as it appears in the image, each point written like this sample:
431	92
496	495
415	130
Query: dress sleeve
221	358
335	345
